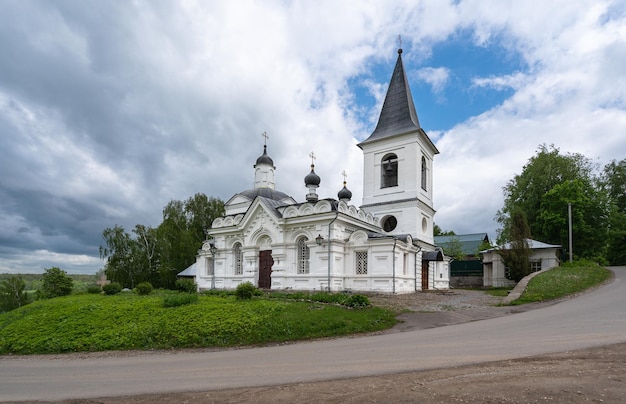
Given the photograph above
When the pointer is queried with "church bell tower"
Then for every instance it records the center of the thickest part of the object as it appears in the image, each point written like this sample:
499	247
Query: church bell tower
398	165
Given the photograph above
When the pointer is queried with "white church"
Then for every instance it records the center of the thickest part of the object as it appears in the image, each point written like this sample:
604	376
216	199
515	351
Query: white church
386	245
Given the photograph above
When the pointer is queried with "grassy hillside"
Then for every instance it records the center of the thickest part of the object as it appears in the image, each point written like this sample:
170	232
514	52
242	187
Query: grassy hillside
128	321
565	280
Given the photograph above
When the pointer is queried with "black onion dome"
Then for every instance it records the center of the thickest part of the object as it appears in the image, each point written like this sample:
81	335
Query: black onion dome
265	159
344	193
312	178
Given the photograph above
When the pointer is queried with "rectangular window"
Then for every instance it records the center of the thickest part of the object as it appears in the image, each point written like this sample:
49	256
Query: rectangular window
210	265
535	266
405	266
361	262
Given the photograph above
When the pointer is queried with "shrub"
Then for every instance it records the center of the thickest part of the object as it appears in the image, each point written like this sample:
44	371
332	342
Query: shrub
186	285
144	288
112	288
245	291
179	299
94	289
55	282
325	297
357	301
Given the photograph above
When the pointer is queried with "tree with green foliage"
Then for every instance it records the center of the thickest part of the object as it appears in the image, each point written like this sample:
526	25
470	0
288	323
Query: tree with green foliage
119	252
156	255
516	255
547	169
12	293
55	283
589	221
437	231
454	248
614	183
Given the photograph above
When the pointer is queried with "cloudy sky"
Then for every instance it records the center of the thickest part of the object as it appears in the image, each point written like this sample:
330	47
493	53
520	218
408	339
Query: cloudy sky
110	109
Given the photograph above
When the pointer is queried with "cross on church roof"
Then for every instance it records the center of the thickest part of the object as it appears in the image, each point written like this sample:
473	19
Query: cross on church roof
266	136
312	155
344	176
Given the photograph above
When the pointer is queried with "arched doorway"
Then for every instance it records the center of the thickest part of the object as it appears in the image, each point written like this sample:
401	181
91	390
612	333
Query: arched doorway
265	269
265	262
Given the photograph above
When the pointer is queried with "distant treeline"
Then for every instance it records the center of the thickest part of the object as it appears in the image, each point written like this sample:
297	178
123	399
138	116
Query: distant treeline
33	281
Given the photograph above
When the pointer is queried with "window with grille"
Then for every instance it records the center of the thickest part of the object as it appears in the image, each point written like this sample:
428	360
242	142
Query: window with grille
361	262
535	266
210	266
238	257
303	256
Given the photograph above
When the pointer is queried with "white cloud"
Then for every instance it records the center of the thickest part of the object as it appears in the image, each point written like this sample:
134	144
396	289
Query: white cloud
436	77
110	110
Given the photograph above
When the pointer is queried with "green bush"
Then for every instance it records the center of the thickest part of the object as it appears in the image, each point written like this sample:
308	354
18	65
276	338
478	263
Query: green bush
186	285
144	288
325	297
180	299
55	283
245	291
94	289
357	301
112	288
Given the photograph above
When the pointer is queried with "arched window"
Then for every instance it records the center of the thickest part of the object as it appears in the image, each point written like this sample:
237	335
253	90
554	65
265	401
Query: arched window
303	256
389	171
424	174
238	258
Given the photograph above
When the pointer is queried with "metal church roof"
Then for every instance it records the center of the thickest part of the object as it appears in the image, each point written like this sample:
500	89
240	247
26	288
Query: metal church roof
398	115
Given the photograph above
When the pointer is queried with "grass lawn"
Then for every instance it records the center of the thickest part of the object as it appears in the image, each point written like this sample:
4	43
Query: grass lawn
563	281
128	321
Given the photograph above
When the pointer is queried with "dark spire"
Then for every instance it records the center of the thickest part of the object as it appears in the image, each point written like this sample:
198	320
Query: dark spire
398	115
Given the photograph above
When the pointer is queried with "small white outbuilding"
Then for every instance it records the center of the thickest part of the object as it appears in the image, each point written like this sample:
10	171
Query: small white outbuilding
543	256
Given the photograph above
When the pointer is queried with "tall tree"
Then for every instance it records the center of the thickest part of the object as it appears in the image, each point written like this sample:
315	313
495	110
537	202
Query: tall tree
119	251
437	231
200	212
589	220
183	230
12	293
158	254
526	191
147	253
516	254
614	183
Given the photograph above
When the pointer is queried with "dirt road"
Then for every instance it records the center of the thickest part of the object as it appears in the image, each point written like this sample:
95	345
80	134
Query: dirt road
590	375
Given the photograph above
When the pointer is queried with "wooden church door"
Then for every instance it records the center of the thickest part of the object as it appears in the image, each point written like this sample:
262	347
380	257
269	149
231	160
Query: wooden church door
425	275
265	269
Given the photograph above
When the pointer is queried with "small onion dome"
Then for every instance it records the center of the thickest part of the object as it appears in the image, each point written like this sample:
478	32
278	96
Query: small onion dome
312	179
264	159
344	193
